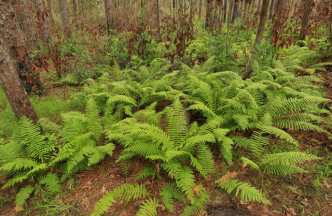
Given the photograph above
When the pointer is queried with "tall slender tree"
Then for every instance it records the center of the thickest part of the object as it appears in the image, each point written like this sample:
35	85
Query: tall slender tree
65	18
209	10
259	35
235	4
109	16
305	19
42	23
158	21
200	9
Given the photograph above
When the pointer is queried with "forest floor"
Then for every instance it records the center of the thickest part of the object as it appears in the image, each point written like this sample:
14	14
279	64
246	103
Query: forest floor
289	196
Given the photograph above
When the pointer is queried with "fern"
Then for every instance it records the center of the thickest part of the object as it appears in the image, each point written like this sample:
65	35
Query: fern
247	192
52	182
23	195
123	192
285	163
168	193
149	208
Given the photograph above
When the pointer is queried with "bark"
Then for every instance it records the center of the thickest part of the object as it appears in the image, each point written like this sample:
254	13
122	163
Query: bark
271	9
49	5
234	11
74	7
191	11
65	18
200	9
13	37
109	16
225	10
12	86
158	22
259	36
305	20
25	17
209	9
42	23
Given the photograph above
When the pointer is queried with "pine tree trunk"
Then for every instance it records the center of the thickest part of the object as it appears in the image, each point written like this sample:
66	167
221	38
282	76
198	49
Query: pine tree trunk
225	10
49	5
200	9
26	19
209	9
305	19
74	7
158	22
14	39
109	16
42	21
259	36
12	86
65	18
271	9
234	11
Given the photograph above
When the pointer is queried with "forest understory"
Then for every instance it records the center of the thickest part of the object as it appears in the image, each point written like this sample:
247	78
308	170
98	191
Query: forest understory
152	107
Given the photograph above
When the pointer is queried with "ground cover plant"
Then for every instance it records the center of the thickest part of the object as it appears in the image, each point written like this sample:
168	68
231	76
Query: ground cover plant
162	112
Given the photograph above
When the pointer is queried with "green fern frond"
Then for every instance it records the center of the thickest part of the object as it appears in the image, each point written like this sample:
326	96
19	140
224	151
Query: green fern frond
52	182
186	181
168	193
145	172
205	158
123	192
149	207
23	195
246	161
247	192
226	149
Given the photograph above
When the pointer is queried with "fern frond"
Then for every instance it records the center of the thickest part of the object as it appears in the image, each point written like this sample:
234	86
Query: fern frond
247	192
205	158
186	181
149	208
52	182
23	195
123	192
247	161
145	172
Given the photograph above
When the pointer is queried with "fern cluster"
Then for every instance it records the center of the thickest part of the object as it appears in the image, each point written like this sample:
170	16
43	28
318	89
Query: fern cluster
122	107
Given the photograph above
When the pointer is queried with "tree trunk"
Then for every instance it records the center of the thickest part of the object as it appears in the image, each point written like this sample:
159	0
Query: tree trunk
14	38
12	86
26	19
234	11
49	5
259	36
65	18
158	22
225	10
200	9
209	9
74	7
271	9
109	16
42	21
305	19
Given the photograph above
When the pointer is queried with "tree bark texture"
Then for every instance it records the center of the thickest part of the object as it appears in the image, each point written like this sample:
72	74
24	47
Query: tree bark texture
65	18
12	86
209	9
305	19
26	19
200	9
259	36
13	37
109	16
49	5
271	9
42	23
158	21
234	11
